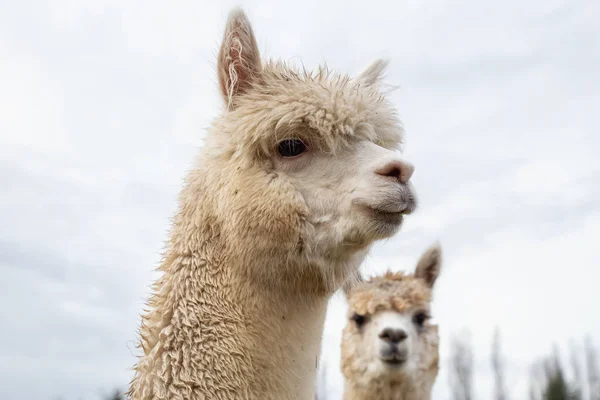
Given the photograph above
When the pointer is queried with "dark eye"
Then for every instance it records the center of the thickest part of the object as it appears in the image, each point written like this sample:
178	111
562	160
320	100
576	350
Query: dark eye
291	147
420	318
359	320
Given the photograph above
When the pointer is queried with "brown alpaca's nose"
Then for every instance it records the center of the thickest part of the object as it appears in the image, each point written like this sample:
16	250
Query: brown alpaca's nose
394	336
400	170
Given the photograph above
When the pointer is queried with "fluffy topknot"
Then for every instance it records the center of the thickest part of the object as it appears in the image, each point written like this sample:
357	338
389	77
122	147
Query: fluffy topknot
394	291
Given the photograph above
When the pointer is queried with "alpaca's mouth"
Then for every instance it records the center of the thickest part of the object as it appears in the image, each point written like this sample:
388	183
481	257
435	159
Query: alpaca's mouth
387	217
394	362
394	359
393	356
390	211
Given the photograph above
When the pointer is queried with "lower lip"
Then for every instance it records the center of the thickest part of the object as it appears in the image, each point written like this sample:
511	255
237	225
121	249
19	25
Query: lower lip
394	218
394	362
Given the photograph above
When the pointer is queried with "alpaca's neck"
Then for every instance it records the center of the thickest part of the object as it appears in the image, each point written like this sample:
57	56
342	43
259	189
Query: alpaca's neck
212	335
408	389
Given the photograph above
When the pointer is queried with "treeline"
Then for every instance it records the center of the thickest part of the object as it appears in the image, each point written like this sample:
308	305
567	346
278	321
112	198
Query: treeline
550	377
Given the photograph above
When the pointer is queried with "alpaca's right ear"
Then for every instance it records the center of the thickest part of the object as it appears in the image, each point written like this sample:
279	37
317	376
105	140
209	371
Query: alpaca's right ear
239	60
373	74
430	264
354	280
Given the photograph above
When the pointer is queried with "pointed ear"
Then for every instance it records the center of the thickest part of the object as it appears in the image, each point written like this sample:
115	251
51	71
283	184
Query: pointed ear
373	74
352	281
430	264
239	60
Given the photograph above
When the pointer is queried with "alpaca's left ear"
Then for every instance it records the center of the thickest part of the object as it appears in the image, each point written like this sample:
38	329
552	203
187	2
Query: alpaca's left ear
430	264
239	60
373	74
354	280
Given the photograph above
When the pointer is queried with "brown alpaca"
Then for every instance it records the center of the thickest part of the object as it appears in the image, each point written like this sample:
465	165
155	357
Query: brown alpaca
298	177
389	348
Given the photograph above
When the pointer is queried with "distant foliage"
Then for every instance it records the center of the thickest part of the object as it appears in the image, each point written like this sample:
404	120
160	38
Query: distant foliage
549	380
498	368
461	368
557	387
115	395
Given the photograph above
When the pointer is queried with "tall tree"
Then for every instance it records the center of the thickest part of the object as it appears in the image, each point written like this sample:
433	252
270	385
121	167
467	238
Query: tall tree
593	375
461	368
557	386
578	380
498	368
537	380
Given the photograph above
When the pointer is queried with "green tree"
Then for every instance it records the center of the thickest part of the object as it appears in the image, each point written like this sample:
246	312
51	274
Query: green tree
557	387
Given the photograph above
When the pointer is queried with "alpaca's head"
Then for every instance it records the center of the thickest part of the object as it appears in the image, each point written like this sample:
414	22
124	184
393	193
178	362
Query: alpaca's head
300	165
388	337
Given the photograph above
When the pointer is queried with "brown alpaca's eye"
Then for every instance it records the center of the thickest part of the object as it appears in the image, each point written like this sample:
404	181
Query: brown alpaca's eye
420	318
291	147
358	319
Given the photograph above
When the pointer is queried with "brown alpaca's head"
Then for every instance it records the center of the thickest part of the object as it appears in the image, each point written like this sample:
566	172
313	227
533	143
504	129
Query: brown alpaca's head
300	168
388	337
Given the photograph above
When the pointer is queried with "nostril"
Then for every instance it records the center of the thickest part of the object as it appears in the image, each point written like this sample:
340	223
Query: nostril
394	172
399	170
393	335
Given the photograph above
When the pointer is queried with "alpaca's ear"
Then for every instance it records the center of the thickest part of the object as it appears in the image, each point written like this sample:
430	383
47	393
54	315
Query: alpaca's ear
239	59
430	264
372	75
352	281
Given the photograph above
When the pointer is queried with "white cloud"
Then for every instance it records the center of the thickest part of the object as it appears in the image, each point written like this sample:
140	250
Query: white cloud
31	104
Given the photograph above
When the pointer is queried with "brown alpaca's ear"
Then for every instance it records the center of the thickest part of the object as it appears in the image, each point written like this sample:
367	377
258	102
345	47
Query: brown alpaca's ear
430	264
239	59
372	75
352	281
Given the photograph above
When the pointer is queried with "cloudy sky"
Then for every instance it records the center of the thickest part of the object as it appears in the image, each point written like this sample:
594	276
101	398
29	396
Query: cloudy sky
103	104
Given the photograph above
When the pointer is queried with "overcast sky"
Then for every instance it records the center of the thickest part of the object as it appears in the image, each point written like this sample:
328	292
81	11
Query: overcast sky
103	104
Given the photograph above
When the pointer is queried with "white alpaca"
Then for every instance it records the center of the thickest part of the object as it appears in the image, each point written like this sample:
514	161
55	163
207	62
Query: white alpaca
297	179
389	349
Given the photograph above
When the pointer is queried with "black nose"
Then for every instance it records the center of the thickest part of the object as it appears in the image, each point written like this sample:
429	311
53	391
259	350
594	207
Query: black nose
393	335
